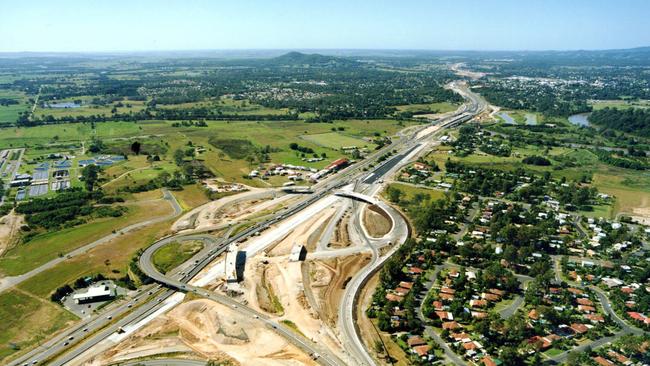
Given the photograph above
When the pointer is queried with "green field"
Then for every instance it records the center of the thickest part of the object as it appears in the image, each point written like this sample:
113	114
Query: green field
620	104
409	191
442	107
174	254
88	109
9	113
336	140
43	248
26	320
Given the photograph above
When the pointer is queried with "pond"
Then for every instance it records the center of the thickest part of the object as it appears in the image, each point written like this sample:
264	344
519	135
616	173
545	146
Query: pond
580	119
531	119
63	105
507	118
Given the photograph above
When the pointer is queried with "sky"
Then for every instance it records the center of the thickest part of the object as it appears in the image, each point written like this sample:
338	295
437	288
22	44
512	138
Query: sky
146	25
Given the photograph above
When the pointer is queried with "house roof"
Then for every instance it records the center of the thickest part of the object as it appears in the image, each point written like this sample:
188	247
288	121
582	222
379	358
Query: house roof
445	296
450	325
595	317
413	341
579	328
603	361
422	350
583	301
448	290
489	361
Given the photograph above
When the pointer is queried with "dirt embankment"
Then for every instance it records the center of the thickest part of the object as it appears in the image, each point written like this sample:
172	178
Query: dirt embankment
266	298
341	237
376	221
209	330
329	279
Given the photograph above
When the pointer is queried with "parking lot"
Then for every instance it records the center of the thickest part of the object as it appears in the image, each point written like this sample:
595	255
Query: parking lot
87	309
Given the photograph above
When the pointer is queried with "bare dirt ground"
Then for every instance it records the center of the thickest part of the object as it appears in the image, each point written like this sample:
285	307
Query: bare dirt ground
376	221
641	215
9	225
211	331
274	285
341	237
230	208
301	234
329	279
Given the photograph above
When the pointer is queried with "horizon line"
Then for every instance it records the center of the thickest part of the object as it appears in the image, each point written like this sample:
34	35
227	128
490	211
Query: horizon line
150	51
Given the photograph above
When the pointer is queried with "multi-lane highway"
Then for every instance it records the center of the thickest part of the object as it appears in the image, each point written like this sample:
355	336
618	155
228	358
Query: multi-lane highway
152	299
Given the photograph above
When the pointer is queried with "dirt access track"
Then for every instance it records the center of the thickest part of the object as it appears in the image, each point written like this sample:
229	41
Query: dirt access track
9	225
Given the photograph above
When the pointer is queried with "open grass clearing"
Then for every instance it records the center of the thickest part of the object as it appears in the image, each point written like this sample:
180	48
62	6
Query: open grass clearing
442	107
174	254
409	191
620	104
191	196
336	140
43	248
26	320
110	259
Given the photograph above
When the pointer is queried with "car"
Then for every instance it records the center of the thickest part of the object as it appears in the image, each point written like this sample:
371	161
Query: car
66	343
109	317
150	292
85	329
129	306
257	316
70	338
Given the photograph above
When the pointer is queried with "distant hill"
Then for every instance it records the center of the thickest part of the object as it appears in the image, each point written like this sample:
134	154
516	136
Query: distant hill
301	59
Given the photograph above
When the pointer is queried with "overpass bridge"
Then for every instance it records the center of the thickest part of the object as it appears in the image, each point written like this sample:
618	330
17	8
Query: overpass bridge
357	196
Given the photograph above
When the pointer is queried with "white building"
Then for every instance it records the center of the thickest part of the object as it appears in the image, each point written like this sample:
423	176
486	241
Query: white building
95	293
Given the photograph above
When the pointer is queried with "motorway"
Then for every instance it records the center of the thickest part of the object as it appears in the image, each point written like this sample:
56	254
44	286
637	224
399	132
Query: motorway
347	313
152	301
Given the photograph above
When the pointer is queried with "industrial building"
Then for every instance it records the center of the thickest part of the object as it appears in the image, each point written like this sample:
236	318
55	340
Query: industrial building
95	293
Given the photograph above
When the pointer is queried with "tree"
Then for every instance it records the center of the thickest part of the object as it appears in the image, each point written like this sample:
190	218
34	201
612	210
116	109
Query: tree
90	175
135	147
179	156
394	194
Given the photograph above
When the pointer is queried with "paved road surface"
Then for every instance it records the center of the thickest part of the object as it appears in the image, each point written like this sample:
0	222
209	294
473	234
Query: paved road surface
322	188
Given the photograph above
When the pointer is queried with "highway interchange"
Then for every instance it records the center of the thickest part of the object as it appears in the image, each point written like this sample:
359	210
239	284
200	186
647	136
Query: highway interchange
153	299
90	334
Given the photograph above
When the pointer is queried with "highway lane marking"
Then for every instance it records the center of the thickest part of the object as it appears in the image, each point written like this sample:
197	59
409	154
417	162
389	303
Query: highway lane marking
169	303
